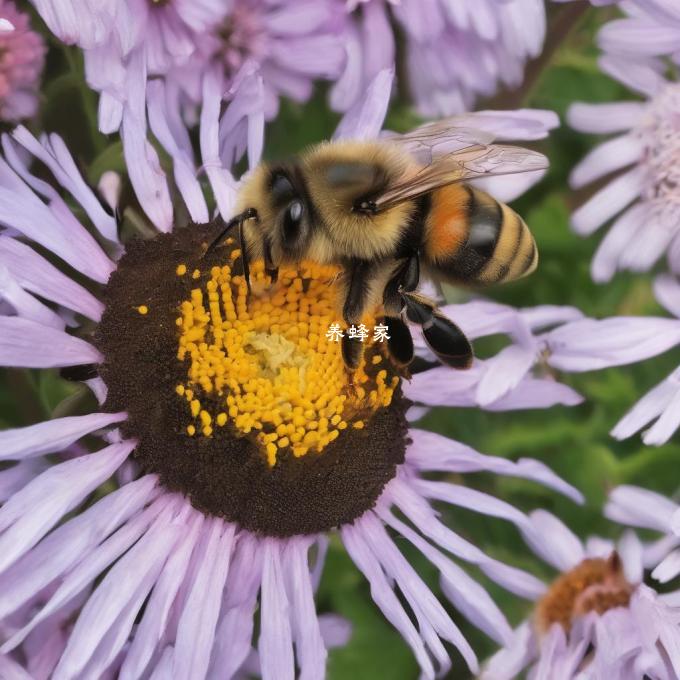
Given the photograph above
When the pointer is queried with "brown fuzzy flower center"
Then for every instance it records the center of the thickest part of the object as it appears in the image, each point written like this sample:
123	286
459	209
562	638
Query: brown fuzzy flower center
241	402
594	585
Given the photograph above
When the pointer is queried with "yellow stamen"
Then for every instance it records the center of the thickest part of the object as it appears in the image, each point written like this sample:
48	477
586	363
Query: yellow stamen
265	360
181	270
143	309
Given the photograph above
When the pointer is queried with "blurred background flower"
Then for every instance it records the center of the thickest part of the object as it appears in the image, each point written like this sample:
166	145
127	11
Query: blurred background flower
455	52
597	619
661	405
641	200
22	56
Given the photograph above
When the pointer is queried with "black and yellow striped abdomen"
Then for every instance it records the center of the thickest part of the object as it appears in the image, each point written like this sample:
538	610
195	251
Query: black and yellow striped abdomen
470	237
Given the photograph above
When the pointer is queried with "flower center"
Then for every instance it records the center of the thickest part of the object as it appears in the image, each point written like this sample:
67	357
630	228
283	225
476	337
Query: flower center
595	585
241	401
241	37
264	366
660	135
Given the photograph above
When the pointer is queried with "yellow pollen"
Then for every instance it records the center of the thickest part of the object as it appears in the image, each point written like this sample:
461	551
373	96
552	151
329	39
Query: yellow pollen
196	274
263	366
181	270
143	309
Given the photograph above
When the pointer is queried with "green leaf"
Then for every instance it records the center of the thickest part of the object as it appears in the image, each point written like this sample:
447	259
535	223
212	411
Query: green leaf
111	158
53	390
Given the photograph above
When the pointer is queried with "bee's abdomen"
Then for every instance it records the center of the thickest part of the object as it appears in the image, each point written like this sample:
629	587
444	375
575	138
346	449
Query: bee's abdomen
472	237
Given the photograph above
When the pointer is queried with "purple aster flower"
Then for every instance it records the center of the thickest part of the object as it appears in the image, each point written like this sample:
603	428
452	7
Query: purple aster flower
85	23
289	44
544	342
597	619
505	381
645	509
642	199
22	54
212	526
651	28
292	44
501	34
248	53
660	407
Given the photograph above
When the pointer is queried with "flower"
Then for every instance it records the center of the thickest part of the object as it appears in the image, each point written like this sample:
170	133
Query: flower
660	404
597	619
182	40
502	34
22	55
544	342
633	506
149	58
651	28
642	199
292	44
506	380
220	502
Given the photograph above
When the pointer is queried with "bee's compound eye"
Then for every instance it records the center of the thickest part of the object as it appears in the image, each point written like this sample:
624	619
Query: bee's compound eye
295	211
292	221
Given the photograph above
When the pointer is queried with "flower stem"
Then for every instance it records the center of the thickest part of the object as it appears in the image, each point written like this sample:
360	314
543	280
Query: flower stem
560	26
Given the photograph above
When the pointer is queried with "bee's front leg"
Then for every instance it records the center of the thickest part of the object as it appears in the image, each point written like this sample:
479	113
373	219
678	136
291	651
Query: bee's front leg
357	276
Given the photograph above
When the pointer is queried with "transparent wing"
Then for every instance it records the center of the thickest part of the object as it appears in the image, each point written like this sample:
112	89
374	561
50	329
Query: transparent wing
439	138
472	162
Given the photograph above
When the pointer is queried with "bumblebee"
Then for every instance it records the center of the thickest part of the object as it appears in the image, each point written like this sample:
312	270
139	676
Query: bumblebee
387	211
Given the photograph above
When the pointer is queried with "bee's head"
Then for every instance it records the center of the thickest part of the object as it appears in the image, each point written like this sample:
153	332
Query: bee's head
282	230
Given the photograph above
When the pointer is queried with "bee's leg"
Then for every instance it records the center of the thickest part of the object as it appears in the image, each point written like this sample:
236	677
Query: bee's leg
352	351
399	342
270	268
358	275
244	254
228	226
405	278
445	339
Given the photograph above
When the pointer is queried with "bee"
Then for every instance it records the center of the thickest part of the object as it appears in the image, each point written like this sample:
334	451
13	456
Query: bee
387	211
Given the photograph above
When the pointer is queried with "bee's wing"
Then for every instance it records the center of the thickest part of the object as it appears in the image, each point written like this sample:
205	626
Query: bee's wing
440	138
472	162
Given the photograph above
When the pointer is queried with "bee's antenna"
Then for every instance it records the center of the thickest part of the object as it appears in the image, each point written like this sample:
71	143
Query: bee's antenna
248	214
244	251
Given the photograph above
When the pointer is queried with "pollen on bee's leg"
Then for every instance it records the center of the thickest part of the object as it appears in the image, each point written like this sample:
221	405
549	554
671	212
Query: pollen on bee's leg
243	402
